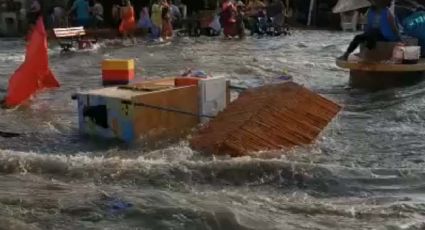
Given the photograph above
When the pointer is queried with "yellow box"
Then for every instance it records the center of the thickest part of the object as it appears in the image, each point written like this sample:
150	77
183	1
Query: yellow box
118	64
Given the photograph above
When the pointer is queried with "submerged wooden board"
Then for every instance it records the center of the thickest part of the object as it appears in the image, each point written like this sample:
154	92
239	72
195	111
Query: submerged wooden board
266	118
381	67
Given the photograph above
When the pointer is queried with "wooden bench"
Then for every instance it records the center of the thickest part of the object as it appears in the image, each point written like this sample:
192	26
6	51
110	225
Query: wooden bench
69	32
68	36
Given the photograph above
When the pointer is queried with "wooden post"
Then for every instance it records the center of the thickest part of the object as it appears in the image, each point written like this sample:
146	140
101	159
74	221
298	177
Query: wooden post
310	12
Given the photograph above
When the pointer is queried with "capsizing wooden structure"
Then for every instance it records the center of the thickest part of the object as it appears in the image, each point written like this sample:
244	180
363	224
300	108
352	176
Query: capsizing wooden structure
150	110
270	117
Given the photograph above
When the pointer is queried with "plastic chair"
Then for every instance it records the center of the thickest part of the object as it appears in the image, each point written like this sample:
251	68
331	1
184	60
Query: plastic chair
349	20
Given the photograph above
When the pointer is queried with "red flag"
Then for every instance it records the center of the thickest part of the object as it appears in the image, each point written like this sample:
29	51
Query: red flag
34	74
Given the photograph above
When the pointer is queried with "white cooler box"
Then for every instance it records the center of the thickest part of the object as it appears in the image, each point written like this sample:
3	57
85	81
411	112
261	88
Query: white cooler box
213	96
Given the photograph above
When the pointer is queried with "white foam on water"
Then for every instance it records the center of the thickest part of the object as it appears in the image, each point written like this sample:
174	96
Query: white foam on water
12	57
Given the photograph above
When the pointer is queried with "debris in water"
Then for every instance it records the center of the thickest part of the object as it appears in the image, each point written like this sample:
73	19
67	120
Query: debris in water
284	78
9	134
270	117
117	206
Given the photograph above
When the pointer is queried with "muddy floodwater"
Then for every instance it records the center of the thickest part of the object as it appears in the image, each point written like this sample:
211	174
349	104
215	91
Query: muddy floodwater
366	171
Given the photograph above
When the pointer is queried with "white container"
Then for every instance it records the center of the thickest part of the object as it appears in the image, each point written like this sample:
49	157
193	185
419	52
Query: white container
412	53
213	92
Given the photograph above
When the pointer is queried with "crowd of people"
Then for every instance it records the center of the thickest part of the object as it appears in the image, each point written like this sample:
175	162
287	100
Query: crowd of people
232	18
259	16
159	19
164	13
79	14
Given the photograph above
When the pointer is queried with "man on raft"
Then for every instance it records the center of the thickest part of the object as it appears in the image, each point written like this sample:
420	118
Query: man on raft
381	26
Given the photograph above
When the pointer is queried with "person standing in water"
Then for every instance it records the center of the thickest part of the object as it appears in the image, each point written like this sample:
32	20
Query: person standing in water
128	22
82	10
254	10
381	26
240	25
156	19
275	9
175	13
97	12
167	27
144	22
116	15
228	18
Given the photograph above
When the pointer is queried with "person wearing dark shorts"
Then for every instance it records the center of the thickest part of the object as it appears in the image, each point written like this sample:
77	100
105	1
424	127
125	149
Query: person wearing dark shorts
381	26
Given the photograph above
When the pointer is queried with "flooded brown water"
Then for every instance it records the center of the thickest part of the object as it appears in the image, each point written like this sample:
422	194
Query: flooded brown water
366	171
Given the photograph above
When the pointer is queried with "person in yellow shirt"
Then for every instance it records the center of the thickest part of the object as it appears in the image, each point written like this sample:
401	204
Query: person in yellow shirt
156	18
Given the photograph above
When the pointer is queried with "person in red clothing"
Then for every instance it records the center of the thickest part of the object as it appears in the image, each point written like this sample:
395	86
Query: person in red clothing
167	27
128	21
228	18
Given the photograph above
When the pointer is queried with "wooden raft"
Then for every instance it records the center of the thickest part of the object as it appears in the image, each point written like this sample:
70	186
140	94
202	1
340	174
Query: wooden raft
266	118
381	67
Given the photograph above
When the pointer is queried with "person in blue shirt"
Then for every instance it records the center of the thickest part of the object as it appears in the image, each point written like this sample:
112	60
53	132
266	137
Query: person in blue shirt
381	26
82	10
